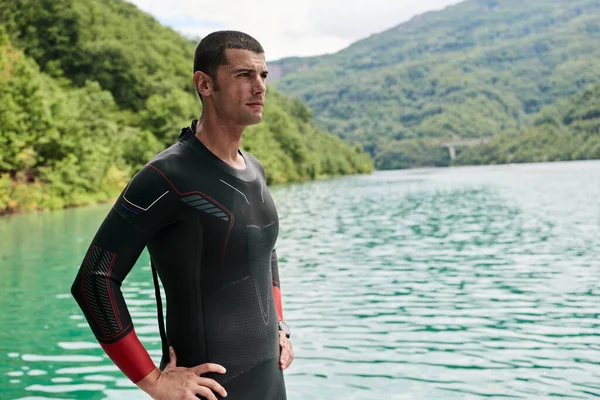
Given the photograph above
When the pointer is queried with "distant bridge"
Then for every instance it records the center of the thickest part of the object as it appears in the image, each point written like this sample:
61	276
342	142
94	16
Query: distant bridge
451	146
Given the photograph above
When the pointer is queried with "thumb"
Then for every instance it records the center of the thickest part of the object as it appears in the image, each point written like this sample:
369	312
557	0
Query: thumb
172	357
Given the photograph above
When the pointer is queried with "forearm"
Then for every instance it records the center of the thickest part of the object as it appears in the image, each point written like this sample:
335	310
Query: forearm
276	286
130	356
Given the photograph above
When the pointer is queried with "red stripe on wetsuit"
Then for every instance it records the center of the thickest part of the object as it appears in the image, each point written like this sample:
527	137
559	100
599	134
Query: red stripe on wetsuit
276	286
278	303
130	356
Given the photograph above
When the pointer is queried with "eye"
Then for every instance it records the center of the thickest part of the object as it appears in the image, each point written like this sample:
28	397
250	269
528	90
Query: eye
244	74
263	75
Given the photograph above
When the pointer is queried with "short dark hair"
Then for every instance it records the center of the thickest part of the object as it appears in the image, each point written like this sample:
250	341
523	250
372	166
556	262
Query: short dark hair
210	52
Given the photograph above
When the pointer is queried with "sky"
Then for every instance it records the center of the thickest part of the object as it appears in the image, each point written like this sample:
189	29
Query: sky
289	28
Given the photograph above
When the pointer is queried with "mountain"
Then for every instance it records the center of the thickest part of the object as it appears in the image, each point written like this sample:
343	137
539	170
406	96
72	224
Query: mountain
471	70
91	89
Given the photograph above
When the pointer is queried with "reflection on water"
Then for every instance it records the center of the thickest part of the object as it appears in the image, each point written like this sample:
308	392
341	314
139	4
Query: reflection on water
445	283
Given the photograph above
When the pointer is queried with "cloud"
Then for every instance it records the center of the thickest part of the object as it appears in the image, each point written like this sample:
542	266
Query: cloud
290	28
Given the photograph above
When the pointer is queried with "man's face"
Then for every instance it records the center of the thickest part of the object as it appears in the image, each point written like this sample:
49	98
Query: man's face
240	96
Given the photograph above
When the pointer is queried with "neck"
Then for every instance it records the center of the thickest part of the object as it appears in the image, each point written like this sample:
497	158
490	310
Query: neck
222	140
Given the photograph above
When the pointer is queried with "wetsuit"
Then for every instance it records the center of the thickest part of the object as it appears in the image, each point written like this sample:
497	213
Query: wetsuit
210	230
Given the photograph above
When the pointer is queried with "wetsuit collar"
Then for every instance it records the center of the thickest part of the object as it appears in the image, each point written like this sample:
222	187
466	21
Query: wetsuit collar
188	136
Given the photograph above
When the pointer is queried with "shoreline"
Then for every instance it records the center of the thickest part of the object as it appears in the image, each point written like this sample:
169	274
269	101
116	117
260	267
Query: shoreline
16	211
13	212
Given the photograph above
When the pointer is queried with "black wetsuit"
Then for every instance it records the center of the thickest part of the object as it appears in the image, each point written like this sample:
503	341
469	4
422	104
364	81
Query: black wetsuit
210	230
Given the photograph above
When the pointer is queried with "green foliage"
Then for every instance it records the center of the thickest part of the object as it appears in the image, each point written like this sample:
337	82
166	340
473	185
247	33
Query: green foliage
472	70
111	42
292	148
163	113
62	144
568	130
91	90
412	152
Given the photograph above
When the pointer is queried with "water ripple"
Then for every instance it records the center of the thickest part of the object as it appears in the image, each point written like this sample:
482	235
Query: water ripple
461	283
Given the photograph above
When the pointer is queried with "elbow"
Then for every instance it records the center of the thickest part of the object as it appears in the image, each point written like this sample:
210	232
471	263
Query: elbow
77	289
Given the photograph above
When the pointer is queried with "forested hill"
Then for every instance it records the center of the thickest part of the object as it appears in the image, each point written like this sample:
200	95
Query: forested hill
92	89
471	70
566	131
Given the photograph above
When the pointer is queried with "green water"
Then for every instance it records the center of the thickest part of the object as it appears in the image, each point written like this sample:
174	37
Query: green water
461	283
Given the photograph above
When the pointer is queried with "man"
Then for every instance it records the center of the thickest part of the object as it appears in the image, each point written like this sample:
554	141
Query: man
203	210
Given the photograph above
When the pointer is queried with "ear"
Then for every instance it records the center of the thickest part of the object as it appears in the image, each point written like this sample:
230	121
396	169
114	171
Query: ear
203	83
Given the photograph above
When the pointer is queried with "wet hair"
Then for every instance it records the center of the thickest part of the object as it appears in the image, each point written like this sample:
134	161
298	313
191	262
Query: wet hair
210	52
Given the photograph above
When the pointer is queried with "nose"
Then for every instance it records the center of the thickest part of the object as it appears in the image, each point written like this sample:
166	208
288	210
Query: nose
260	86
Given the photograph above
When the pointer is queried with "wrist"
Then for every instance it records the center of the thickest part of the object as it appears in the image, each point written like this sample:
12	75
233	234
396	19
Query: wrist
283	327
150	382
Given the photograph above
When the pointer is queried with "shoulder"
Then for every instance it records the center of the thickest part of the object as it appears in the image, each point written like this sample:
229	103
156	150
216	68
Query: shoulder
145	189
151	194
171	162
155	178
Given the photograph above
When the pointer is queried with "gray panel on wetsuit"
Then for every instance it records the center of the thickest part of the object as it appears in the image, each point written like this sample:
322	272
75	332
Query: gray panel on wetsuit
241	320
263	382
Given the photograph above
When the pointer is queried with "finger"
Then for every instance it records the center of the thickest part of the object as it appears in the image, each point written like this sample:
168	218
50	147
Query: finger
209	367
284	360
213	385
283	342
282	356
206	393
172	357
284	347
289	356
282	338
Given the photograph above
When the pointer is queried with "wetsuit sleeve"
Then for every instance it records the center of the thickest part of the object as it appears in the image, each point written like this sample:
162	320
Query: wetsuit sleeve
274	261
276	285
146	205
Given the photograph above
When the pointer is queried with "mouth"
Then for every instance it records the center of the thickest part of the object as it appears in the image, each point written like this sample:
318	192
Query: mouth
257	104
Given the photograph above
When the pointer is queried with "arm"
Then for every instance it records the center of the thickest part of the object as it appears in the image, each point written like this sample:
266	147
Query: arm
285	346
286	350
141	210
147	204
276	285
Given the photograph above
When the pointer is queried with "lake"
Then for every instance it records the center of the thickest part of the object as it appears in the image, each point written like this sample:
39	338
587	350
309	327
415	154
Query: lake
459	283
